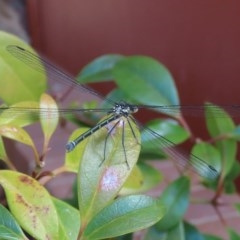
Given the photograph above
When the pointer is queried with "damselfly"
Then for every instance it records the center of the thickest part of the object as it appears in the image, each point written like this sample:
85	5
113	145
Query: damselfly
117	111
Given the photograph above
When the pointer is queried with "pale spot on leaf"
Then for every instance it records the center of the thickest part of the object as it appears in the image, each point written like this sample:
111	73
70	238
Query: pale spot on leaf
14	129
110	180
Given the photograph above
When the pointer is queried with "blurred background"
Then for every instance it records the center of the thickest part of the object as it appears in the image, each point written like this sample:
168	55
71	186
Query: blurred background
198	41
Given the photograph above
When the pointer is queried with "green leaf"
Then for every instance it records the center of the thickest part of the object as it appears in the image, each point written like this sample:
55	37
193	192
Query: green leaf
168	134
116	95
220	126
134	180
153	83
9	228
48	116
73	200
211	237
175	233
7	234
168	129
175	197
18	81
234	172
100	69
16	133
73	158
20	135
125	237
30	204
233	235
20	114
235	134
192	232
125	215
237	206
151	177
69	220
229	184
99	179
209	154
3	154
229	187
154	234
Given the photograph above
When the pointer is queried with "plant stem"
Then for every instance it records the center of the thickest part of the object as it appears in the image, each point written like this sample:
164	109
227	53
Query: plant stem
54	173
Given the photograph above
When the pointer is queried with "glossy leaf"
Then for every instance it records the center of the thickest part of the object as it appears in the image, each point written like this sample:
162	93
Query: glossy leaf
216	125
168	134
154	234
124	215
135	179
19	114
18	81
9	228
20	135
16	133
73	158
48	116
220	126
153	84
30	204
209	154
176	232
192	232
228	184
151	153
100	69
169	129
69	220
175	197
99	179
151	177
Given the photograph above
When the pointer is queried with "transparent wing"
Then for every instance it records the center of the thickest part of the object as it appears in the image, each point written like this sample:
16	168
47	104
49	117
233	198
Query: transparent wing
43	66
197	110
181	158
55	74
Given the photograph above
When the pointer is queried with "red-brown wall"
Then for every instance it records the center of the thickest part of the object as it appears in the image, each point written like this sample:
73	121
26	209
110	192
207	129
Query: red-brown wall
199	41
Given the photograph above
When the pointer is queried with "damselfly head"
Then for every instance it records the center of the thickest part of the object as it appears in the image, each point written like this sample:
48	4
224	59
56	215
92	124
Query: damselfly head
123	108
